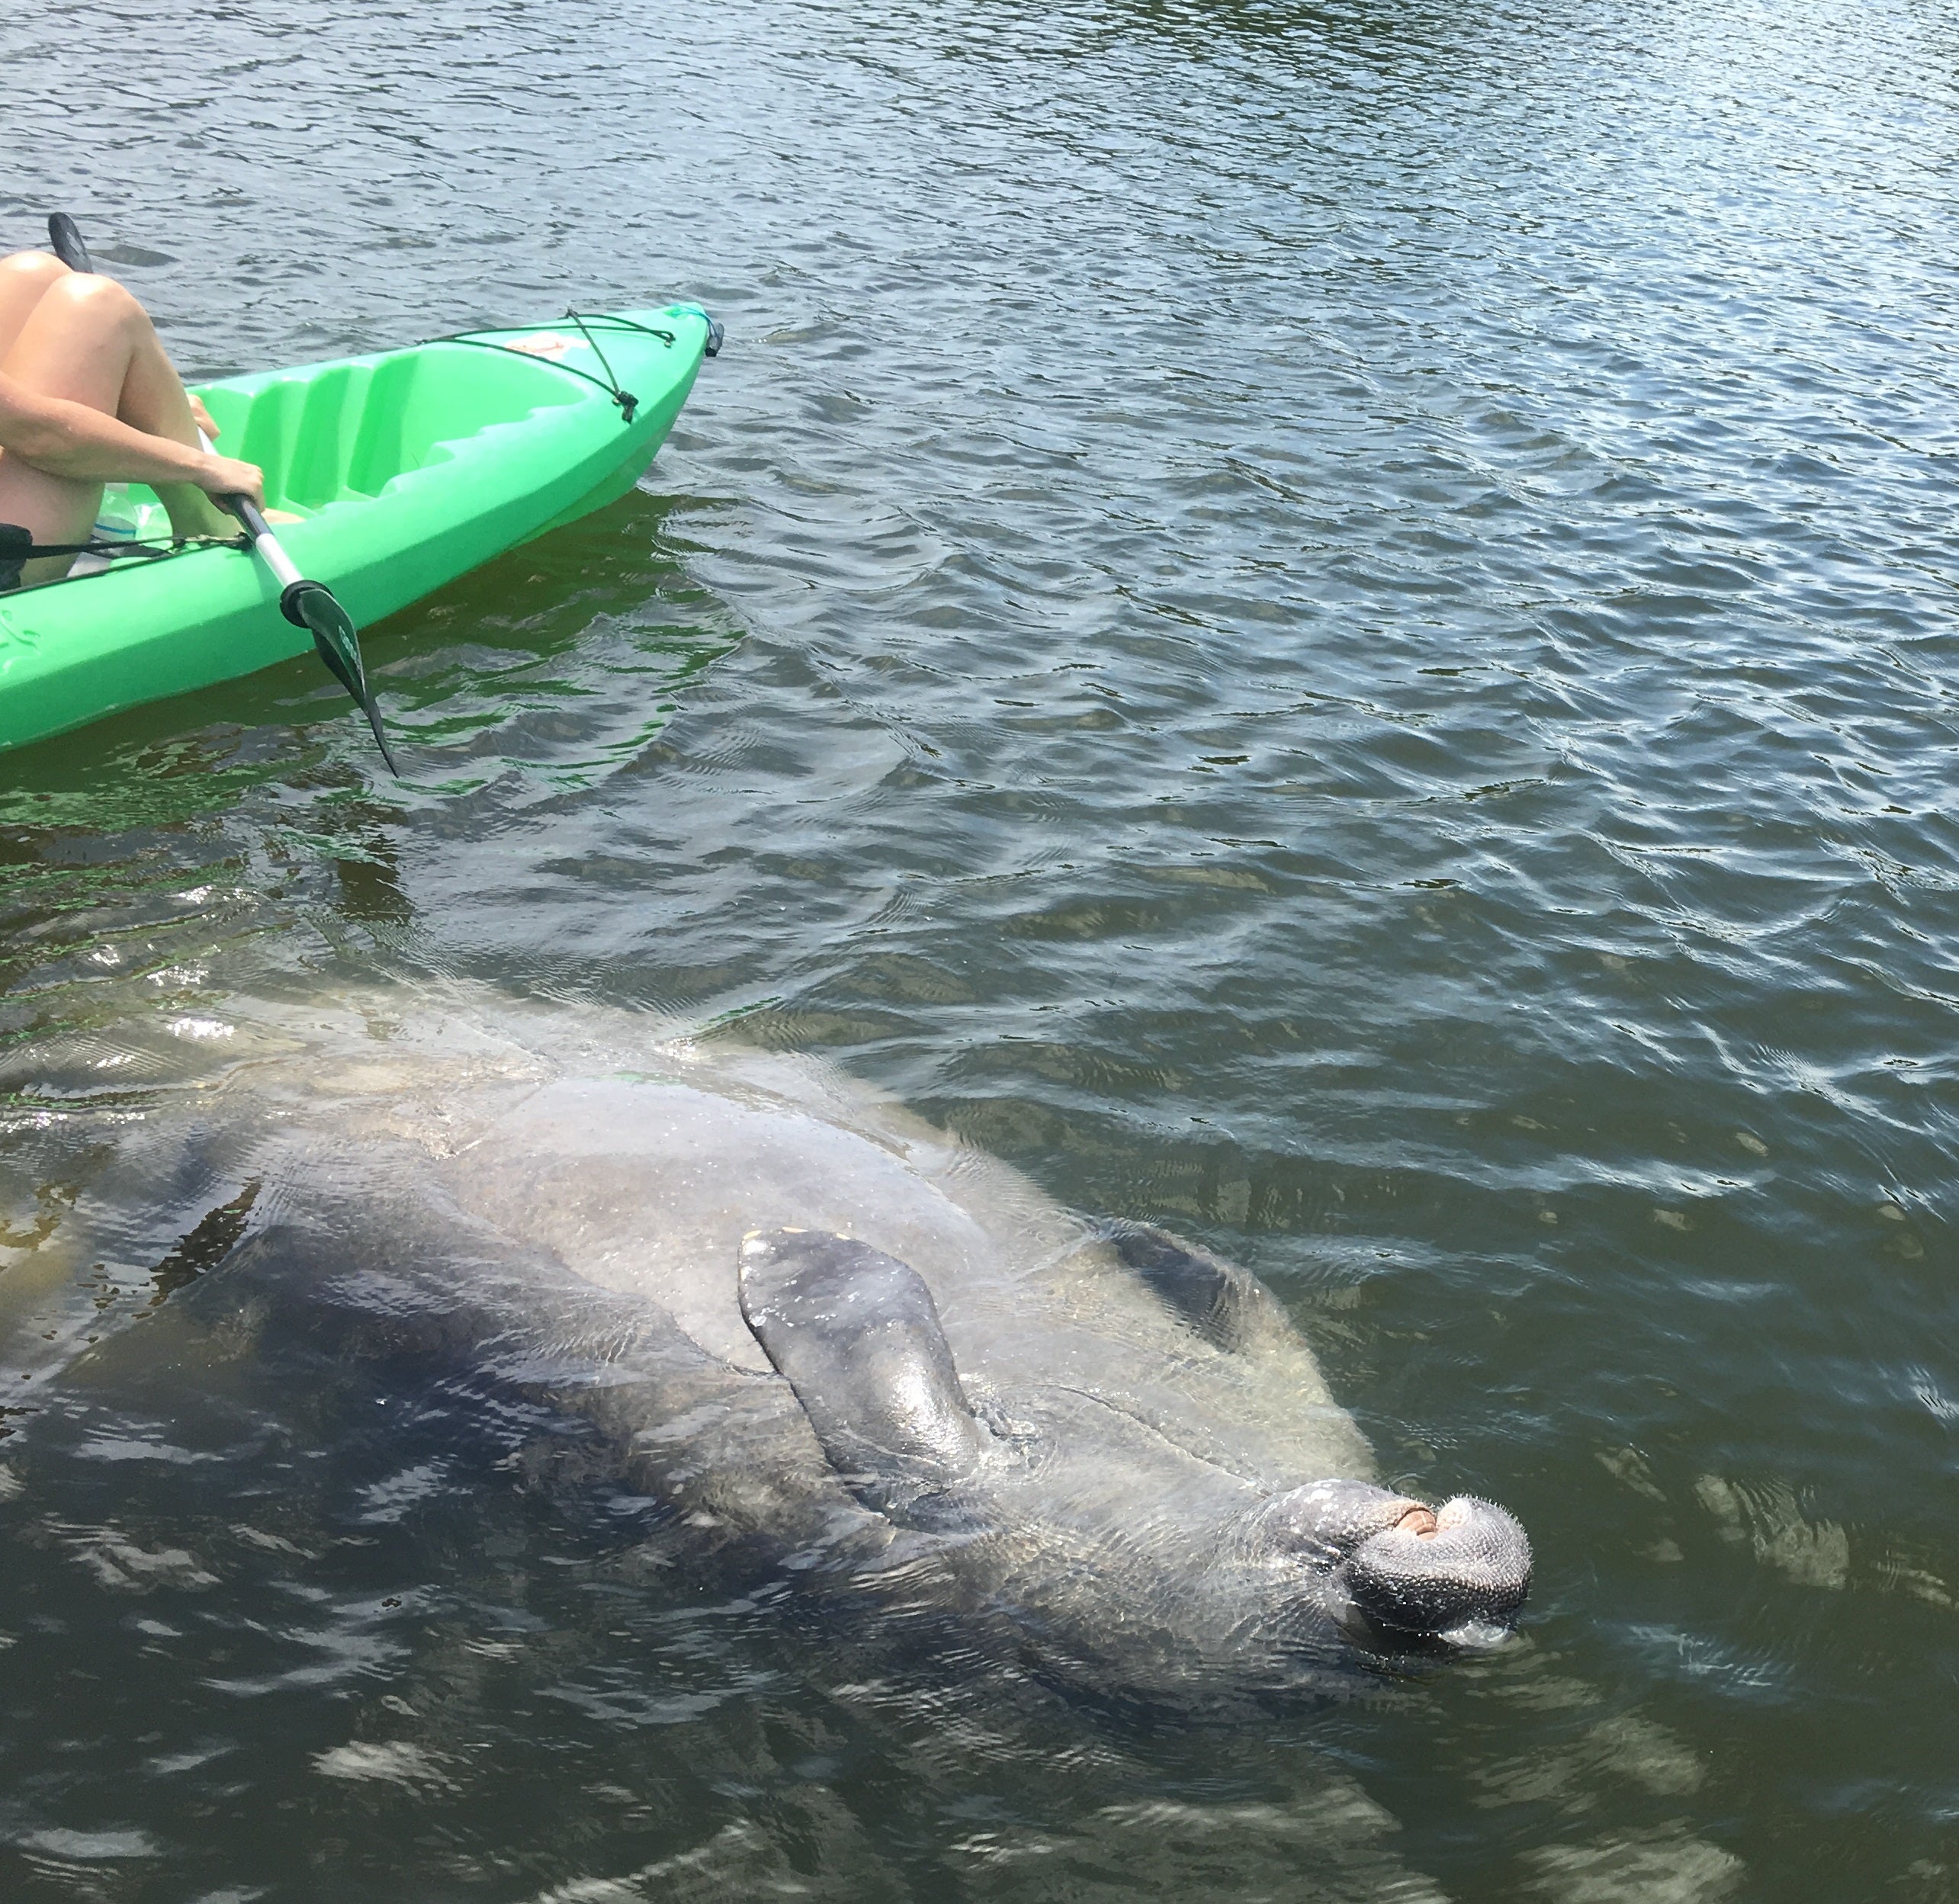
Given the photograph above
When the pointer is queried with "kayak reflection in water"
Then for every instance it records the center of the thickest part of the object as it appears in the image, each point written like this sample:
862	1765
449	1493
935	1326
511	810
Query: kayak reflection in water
87	397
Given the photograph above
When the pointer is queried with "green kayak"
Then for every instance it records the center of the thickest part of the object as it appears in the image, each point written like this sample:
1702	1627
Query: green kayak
407	468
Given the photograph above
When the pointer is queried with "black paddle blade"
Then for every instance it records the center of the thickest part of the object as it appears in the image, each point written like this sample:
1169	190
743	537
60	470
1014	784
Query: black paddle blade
65	236
339	646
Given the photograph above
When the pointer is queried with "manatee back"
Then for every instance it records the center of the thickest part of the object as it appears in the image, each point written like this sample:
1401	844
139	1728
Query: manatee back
648	1185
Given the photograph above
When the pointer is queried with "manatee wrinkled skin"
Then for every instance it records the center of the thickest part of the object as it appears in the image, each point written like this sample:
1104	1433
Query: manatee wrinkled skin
850	1351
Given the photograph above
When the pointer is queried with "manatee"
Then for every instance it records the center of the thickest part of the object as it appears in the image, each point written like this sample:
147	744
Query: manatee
840	1348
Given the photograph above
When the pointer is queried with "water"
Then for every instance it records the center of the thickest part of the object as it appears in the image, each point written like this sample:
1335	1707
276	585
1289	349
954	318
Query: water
1327	625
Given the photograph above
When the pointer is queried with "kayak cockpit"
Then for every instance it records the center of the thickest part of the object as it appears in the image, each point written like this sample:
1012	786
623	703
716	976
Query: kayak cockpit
344	431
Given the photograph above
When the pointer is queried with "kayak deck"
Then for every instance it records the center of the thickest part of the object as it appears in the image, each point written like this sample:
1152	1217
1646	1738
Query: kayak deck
407	469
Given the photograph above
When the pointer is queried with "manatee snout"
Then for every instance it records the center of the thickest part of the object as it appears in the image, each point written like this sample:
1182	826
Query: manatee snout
1461	1576
1458	1574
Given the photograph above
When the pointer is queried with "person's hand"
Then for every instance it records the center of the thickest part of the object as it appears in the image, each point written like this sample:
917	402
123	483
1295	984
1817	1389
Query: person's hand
202	418
221	476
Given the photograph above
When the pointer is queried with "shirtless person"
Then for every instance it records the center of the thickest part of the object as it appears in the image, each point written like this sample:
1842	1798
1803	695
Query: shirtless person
87	397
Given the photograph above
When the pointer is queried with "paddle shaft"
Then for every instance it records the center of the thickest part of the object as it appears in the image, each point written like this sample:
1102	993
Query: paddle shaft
269	549
285	571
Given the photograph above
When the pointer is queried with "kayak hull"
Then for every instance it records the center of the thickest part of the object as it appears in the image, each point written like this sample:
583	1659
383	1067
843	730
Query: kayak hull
409	468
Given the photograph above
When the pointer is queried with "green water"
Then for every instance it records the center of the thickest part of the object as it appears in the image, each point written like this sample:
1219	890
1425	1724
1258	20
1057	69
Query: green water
1330	626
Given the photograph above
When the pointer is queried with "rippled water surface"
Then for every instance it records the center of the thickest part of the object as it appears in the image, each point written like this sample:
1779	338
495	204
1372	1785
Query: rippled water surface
1330	626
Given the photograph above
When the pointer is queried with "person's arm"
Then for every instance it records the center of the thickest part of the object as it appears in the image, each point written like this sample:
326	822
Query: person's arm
69	439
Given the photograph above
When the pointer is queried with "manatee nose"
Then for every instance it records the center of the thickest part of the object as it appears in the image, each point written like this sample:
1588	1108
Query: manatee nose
1469	1567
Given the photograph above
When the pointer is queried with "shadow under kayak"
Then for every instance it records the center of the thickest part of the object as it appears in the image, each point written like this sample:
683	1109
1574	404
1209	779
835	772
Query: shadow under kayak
409	468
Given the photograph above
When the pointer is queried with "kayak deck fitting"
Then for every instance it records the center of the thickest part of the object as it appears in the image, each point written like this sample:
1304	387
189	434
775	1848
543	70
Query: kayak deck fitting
407	468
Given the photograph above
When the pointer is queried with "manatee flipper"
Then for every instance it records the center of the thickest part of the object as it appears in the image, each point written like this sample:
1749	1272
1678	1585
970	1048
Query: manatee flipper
856	1334
1227	1306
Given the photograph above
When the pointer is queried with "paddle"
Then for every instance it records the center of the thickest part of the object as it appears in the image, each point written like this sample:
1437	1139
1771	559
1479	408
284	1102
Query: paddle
305	604
312	604
65	236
